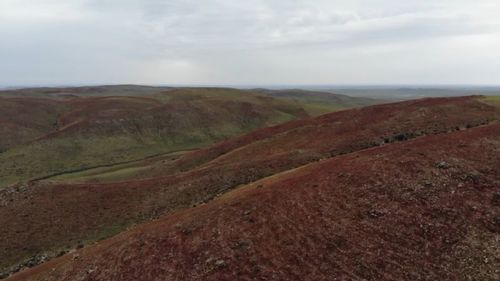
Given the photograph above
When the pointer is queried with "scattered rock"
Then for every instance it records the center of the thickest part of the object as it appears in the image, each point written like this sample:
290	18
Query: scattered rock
187	231
241	244
36	260
91	270
443	165
400	137
375	214
31	262
220	263
61	253
472	177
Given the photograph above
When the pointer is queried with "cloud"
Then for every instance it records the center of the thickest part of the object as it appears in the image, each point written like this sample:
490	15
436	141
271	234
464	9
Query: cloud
245	42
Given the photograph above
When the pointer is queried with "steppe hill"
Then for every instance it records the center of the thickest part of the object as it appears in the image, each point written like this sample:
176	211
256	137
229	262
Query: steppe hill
144	183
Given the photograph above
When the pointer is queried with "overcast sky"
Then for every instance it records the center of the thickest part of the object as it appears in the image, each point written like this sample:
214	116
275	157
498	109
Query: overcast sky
249	42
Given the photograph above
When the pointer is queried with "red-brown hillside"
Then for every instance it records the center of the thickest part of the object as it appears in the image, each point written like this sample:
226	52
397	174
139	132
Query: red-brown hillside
350	130
424	209
45	219
25	119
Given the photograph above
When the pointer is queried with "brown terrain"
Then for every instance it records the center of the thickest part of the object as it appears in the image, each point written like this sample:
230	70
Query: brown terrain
48	132
402	191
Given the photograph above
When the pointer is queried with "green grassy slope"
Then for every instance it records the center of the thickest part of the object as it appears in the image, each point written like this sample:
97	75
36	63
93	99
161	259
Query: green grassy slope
74	129
142	168
316	102
493	100
288	101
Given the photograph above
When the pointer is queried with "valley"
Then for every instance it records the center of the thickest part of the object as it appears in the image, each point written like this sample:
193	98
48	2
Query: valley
76	129
413	152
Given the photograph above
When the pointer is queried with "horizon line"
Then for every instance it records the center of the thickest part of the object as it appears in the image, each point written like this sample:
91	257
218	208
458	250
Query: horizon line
255	85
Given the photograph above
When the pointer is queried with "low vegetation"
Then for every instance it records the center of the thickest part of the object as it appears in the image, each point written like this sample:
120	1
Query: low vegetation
86	211
403	191
50	132
493	100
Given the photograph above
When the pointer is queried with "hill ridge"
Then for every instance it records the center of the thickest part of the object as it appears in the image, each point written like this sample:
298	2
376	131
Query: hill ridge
264	185
128	203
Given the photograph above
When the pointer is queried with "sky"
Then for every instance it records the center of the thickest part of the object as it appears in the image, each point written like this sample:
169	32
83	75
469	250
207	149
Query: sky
249	42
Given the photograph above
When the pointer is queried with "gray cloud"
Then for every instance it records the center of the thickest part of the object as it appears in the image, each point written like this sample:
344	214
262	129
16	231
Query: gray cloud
249	42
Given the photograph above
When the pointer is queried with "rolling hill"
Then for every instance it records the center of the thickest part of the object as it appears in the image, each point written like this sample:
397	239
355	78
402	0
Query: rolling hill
389	213
320	101
53	131
351	174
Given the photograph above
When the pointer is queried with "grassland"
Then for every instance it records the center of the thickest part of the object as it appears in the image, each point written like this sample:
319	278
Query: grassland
361	194
493	100
49	132
139	169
